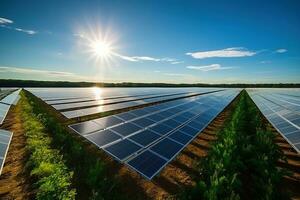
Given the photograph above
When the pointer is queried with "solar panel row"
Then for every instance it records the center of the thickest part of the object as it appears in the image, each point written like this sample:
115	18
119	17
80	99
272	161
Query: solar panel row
78	102
147	139
110	107
53	94
5	138
77	105
106	100
6	102
281	108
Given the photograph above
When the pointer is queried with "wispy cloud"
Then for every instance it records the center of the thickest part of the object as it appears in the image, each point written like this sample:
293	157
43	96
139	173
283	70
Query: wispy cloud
30	32
212	67
223	53
175	74
265	62
29	71
4	23
176	62
281	50
146	58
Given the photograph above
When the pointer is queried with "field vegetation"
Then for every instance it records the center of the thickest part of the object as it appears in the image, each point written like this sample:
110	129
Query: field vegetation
241	164
91	177
53	179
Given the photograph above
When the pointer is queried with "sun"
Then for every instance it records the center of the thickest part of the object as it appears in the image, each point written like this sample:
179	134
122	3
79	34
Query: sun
99	44
101	49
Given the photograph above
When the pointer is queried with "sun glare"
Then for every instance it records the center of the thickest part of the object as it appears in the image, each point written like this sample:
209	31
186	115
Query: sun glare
99	43
97	92
101	49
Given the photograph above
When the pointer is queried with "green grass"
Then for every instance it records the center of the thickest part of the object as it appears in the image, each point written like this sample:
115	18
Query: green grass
53	180
92	177
242	163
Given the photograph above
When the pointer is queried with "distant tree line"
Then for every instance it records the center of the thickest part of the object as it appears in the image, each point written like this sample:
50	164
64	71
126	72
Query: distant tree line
32	83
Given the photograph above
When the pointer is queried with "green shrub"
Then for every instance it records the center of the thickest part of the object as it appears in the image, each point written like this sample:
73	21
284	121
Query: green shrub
45	163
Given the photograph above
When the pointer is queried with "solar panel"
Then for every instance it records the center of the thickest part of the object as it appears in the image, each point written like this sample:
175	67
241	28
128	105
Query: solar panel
77	102
159	133
167	148
145	137
7	101
5	138
147	163
103	138
281	107
122	149
110	107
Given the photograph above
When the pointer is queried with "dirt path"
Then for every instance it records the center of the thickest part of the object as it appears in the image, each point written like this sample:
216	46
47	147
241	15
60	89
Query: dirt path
14	181
291	183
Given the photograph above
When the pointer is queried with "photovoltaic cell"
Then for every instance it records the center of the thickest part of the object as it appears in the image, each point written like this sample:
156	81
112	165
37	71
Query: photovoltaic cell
167	148
126	129
145	137
86	127
147	163
180	137
103	138
122	149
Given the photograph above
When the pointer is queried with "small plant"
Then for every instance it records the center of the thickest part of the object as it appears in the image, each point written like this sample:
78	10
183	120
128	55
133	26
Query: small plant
46	164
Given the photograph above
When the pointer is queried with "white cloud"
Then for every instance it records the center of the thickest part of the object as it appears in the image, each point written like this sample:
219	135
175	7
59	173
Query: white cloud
30	32
168	59
175	74
281	50
145	58
5	21
211	67
223	53
177	62
56	74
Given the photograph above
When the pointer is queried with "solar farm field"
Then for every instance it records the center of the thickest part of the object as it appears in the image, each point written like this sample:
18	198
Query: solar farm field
152	143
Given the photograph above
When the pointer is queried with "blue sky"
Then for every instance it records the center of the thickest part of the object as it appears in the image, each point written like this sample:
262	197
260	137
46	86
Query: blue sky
151	41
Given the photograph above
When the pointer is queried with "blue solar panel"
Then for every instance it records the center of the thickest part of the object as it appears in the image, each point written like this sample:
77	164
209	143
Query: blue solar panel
126	129
103	138
86	127
143	122
126	116
162	132
147	163
5	139
145	137
108	121
122	149
167	148
180	137
281	111
189	130
156	117
161	129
